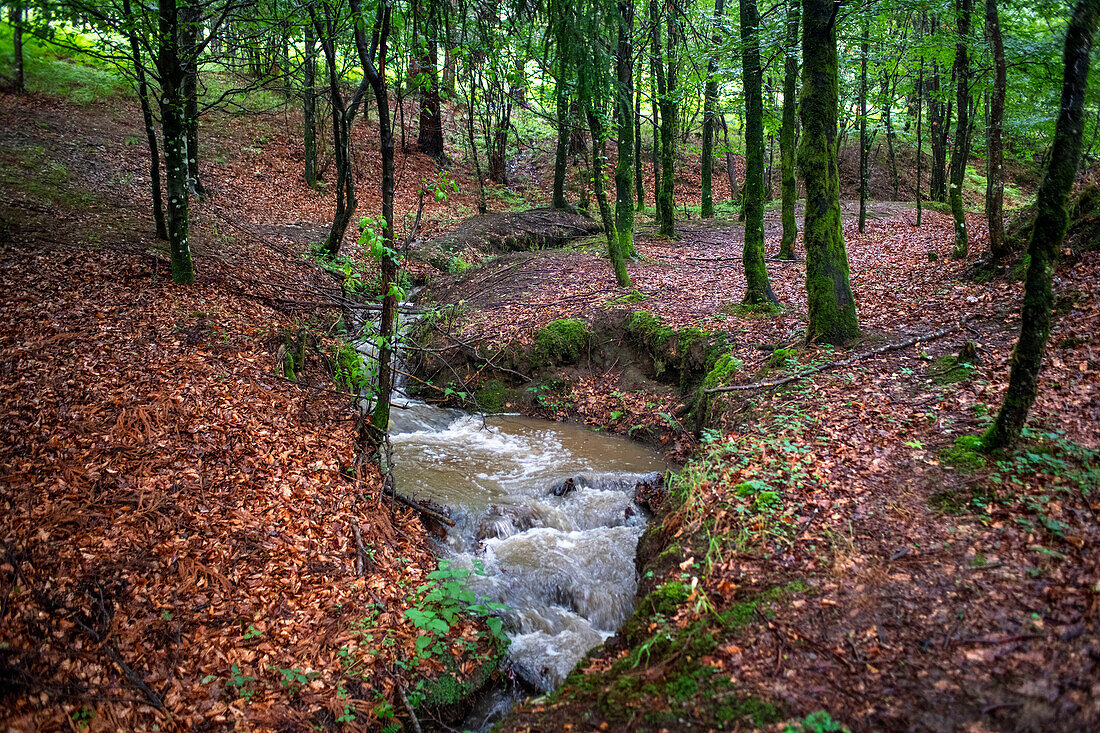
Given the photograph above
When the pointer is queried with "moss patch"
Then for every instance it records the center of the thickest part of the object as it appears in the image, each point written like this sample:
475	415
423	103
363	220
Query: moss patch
965	454
561	342
648	330
949	369
492	396
782	358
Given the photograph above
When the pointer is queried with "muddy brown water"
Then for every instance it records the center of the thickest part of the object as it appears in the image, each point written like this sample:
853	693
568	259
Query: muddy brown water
559	555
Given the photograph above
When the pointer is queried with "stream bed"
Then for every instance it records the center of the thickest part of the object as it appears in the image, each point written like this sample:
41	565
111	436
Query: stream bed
546	511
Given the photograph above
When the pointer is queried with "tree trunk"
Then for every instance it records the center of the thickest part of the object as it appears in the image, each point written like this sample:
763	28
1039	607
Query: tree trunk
961	151
863	143
173	118
309	104
639	184
147	117
430	138
995	182
1051	222
891	135
655	87
561	93
670	110
595	128
624	168
190	19
789	132
832	309
657	68
757	288
731	168
710	103
375	75
920	153
15	17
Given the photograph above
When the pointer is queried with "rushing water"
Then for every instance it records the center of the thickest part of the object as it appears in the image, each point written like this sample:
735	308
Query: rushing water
545	510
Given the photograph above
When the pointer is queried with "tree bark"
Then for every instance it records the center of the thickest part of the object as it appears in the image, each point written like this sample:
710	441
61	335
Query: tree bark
757	287
624	168
789	132
710	103
863	143
190	20
832	309
147	118
309	104
173	118
430	138
920	99
15	17
1051	222
995	182
561	94
961	150
670	110
639	184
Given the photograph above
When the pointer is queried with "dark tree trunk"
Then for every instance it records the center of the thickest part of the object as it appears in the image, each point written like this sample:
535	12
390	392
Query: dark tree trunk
657	68
147	117
173	118
961	150
864	145
789	132
995	181
15	17
309	104
731	168
639	184
561	94
595	128
710	104
655	87
757	287
430	138
920	152
670	110
1051	222
623	246
832	309
190	19
891	135
375	75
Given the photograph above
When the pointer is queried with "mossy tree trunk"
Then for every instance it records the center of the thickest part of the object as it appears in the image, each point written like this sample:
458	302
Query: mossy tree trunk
757	288
995	182
599	157
710	103
920	109
1051	222
670	110
788	133
624	167
657	93
960	152
832	309
429	138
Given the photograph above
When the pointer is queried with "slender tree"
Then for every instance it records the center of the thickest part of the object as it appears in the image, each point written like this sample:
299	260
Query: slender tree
624	119
558	18
670	111
430	137
757	287
129	23
309	104
961	150
1051	222
832	309
864	143
15	18
788	133
710	104
920	100
995	182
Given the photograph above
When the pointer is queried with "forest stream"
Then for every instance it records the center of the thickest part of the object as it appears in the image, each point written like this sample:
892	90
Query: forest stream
545	520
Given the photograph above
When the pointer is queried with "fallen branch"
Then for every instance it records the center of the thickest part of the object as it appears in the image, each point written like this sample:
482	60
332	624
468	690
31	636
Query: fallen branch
852	360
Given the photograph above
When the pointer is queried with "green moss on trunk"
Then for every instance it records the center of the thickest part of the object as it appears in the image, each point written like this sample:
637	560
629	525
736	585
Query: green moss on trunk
788	132
832	308
1051	222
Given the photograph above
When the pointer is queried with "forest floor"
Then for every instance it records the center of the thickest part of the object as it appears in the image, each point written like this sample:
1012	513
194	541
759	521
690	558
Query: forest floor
182	536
